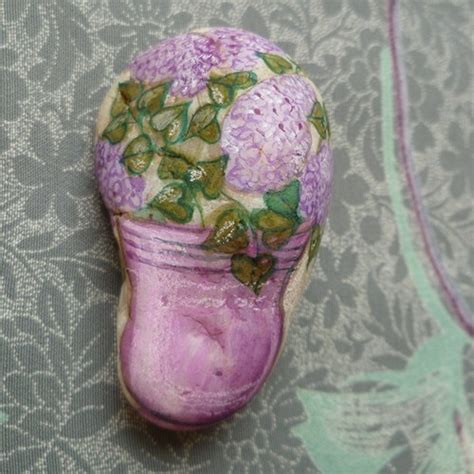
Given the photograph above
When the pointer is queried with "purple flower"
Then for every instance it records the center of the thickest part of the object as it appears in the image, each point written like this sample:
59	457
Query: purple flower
316	185
120	192
186	59
238	48
266	134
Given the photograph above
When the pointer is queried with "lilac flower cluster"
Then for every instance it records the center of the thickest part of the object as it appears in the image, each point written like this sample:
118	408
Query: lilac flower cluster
266	134
120	192
238	48
187	59
316	185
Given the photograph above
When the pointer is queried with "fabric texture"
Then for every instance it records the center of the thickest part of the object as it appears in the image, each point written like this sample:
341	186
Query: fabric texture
376	376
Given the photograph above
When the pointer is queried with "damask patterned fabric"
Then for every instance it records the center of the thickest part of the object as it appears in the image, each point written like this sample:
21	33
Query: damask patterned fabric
376	375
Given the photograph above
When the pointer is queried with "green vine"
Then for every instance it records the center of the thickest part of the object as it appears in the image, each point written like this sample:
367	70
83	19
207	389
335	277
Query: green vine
162	126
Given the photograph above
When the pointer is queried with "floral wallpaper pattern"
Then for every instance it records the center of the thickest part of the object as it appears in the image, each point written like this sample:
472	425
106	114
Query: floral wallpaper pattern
60	406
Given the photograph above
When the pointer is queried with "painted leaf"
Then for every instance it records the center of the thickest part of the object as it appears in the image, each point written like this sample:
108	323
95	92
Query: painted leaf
118	106
284	201
316	235
130	90
139	145
319	119
229	234
276	239
117	129
239	80
277	228
173	166
149	213
278	64
153	99
220	94
138	164
328	124
138	155
253	272
211	133
174	202
172	122
266	219
204	124
162	119
208	176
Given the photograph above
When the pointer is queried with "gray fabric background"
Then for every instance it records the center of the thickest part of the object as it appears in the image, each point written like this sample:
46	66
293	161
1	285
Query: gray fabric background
59	269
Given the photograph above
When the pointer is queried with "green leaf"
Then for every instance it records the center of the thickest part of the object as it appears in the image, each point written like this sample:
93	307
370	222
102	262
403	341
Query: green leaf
173	166
208	176
280	221
284	201
229	234
211	133
153	99
316	236
174	202
118	106
274	240
278	64
239	80
204	124
138	155
117	129
137	165
139	145
220	94
277	228
149	213
266	219
172	122
253	272
130	90
319	119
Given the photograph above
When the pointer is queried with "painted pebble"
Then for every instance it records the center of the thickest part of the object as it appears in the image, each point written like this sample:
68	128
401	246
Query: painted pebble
213	159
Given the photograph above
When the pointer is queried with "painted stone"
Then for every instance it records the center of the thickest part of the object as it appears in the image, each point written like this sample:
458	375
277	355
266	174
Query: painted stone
213	160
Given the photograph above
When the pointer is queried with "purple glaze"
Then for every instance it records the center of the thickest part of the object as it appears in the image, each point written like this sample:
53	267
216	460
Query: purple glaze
266	134
120	192
198	344
316	185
